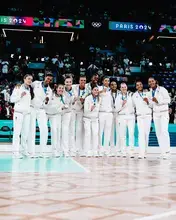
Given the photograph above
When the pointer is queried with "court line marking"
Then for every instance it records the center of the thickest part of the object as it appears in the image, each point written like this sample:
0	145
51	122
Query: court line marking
81	166
159	216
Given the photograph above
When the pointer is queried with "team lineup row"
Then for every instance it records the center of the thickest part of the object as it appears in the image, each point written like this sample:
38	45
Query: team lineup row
87	119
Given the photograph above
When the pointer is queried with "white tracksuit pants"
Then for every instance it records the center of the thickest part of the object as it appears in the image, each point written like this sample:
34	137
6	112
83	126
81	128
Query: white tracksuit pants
79	131
41	117
55	124
21	127
115	140
124	124
161	121
72	132
144	125
66	118
91	138
105	126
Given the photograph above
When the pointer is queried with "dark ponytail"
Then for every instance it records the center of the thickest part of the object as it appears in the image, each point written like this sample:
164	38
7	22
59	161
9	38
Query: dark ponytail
31	92
30	87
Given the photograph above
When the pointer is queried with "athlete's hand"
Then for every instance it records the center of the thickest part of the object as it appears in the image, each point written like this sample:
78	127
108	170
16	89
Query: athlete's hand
74	100
146	100
154	100
124	102
82	100
65	107
46	100
23	94
93	107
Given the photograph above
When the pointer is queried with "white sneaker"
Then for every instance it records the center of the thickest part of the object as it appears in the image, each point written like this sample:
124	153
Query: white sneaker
56	154
82	154
101	152
32	156
26	154
160	156
42	155
118	154
17	156
66	154
131	154
140	157
73	154
124	154
96	154
166	156
89	154
111	154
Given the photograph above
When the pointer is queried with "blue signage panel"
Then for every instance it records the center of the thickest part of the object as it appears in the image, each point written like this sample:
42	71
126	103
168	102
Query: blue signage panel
129	26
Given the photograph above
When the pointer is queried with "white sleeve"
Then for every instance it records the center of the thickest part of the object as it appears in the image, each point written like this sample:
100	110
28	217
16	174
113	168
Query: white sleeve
87	105
87	93
16	95
133	100
49	93
68	100
149	100
164	99
118	104
33	84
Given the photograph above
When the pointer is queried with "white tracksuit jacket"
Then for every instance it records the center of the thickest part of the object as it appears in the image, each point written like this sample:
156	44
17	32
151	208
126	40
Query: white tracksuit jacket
126	119
21	119
39	95
144	117
54	111
161	117
105	119
77	117
38	112
91	124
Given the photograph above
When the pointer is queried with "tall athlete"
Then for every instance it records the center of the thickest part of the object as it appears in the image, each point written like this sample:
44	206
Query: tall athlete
114	143
22	97
105	118
126	119
42	94
144	117
160	99
68	128
54	111
91	125
80	93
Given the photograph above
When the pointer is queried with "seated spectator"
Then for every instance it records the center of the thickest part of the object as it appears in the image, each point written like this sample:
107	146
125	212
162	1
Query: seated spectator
120	70
115	69
5	67
127	71
171	116
126	61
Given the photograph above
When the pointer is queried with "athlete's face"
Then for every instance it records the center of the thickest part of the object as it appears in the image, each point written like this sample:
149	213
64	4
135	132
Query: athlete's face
123	88
152	83
28	80
95	91
48	80
95	79
60	90
106	82
139	86
68	83
82	81
113	86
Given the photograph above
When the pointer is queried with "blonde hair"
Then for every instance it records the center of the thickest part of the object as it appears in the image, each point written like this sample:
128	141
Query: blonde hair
18	86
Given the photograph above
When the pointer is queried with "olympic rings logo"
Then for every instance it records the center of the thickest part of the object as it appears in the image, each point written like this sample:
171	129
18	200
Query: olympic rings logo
96	24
